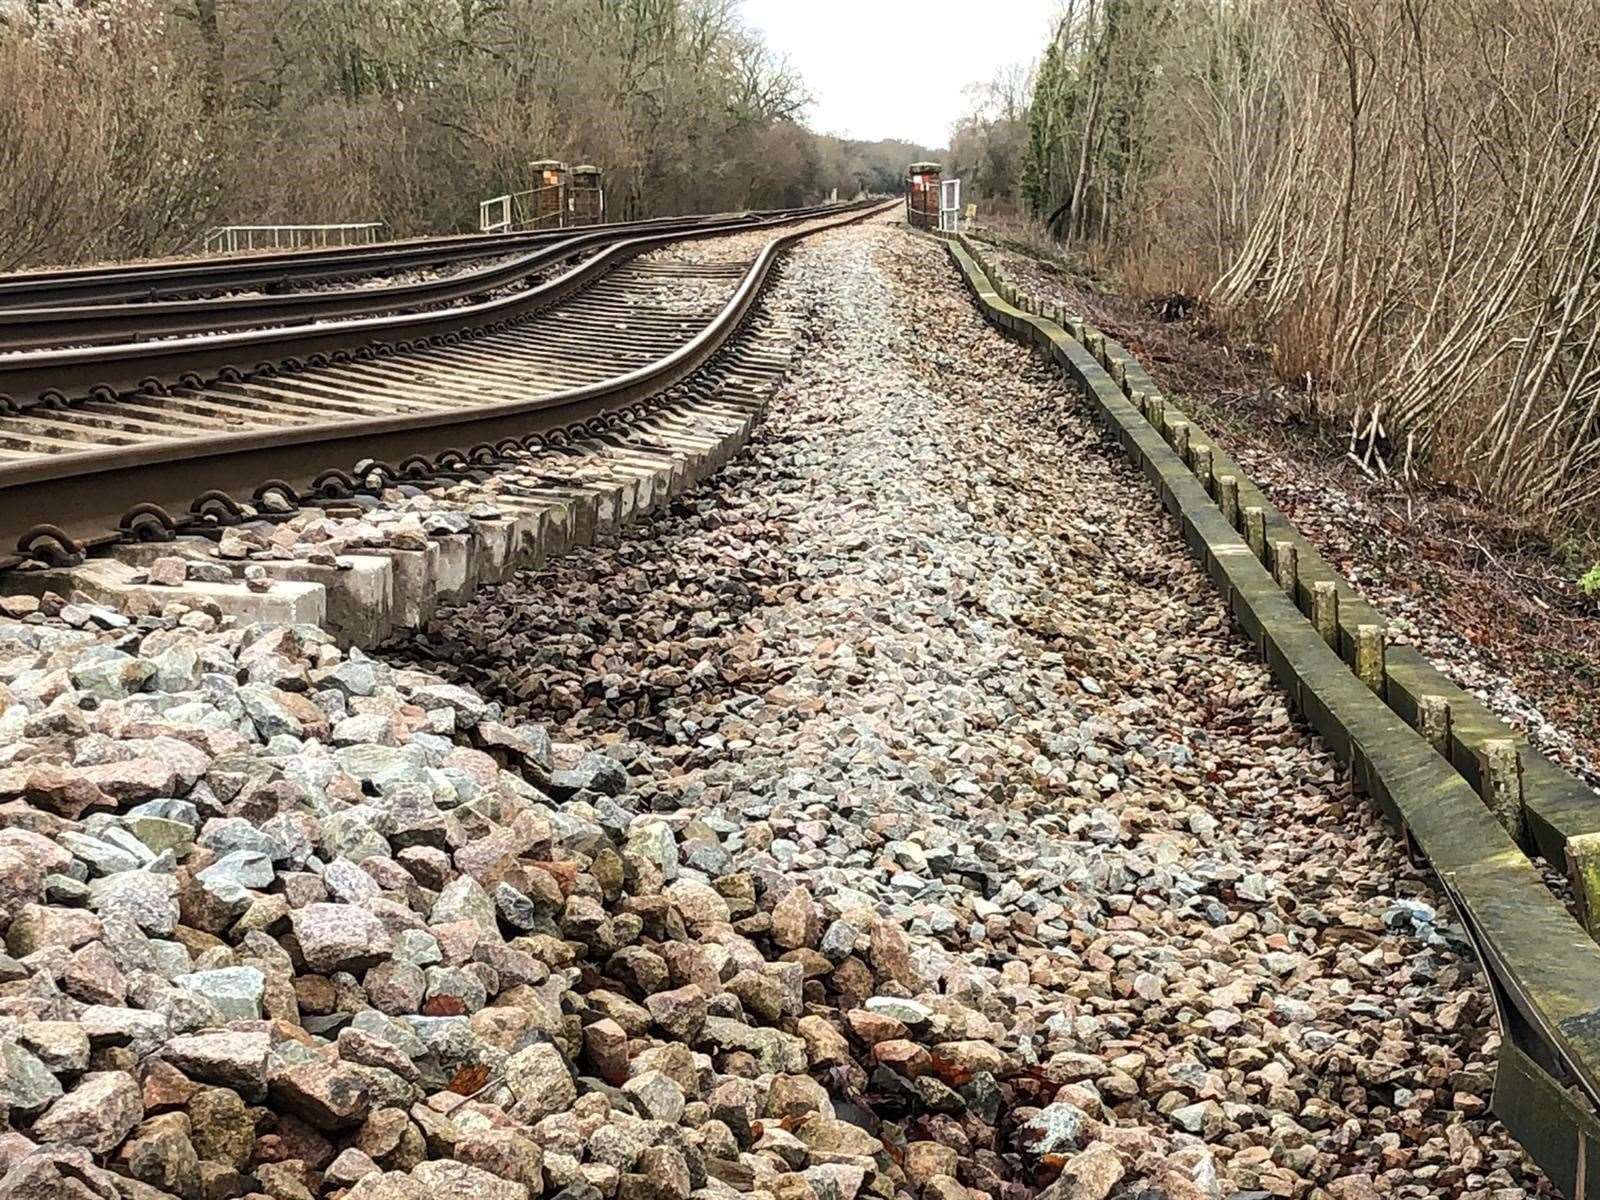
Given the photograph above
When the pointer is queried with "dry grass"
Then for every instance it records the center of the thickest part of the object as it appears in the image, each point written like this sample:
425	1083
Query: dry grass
1400	200
101	149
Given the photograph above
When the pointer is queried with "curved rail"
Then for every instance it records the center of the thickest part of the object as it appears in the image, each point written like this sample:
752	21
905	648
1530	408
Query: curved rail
85	495
104	324
180	277
50	376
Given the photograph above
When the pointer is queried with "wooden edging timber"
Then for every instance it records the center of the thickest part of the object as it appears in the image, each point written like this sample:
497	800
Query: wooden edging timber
1470	806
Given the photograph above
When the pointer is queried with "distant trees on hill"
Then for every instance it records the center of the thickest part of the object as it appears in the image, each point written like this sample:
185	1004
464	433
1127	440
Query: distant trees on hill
127	126
1399	199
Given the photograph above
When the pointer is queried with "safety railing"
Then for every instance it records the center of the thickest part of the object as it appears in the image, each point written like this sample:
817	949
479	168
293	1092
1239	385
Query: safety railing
535	208
242	239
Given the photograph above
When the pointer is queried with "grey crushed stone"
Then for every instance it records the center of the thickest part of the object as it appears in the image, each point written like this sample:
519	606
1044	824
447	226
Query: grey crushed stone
896	817
931	648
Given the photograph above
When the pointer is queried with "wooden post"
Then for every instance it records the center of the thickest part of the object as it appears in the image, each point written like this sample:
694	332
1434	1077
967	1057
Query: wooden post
1369	657
1200	464
1325	611
1285	566
1255	531
1501	773
1583	869
1228	498
1178	435
1433	723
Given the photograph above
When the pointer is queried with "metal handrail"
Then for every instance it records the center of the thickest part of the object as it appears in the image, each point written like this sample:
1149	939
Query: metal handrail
515	211
236	239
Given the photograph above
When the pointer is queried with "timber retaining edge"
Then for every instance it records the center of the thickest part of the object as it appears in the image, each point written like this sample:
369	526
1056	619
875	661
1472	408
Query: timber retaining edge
1466	792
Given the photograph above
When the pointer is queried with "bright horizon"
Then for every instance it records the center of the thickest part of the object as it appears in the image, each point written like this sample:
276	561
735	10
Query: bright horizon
864	91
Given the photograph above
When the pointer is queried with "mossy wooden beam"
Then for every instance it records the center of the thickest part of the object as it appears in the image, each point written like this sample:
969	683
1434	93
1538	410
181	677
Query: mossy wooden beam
1383	711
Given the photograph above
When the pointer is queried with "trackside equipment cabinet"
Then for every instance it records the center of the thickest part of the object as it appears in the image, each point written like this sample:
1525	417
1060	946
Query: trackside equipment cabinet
586	199
922	195
549	194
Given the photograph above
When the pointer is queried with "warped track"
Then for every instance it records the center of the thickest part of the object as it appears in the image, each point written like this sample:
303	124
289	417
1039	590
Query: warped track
130	465
362	322
204	276
576	343
90	324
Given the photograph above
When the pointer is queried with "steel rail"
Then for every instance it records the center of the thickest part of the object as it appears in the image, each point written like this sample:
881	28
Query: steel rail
179	277
102	324
31	378
86	495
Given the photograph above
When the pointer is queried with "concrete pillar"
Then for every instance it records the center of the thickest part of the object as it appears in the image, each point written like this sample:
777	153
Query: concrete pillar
1200	464
1286	568
1178	435
1583	869
1228	498
1433	723
1255	531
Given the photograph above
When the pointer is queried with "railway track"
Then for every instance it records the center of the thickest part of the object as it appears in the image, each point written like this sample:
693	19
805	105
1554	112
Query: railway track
329	325
292	269
24	329
412	393
1270	1001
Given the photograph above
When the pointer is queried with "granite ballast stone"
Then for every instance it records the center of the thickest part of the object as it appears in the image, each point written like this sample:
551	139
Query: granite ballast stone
1048	808
340	937
97	1114
236	1060
875	817
26	1084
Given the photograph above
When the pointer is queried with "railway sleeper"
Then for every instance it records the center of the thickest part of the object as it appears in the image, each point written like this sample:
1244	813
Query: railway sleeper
561	497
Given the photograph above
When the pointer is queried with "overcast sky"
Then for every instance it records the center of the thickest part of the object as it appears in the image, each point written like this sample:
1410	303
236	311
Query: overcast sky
895	68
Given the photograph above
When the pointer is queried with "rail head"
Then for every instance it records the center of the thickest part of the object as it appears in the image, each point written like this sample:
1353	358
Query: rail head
55	375
84	495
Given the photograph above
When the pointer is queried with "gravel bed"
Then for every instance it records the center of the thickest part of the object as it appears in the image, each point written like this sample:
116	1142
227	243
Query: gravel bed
930	669
733	247
896	818
1358	526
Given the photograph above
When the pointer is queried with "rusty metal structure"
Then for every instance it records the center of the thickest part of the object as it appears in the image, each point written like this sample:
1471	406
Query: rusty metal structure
548	207
586	197
142	439
922	195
